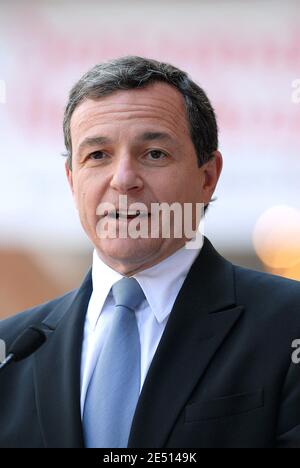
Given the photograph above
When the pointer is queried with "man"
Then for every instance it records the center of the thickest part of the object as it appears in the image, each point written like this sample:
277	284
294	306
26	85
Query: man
163	345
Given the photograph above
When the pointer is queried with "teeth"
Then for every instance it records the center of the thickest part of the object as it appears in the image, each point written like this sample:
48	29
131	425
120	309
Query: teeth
125	214
128	213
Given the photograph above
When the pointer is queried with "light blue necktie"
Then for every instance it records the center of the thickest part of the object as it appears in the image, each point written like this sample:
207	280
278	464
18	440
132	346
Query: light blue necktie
115	385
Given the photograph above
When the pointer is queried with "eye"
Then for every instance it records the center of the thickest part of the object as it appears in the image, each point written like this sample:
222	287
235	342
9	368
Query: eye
96	155
156	155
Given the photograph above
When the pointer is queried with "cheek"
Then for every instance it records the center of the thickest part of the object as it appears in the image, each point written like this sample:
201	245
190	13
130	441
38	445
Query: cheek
167	184
182	185
87	195
192	181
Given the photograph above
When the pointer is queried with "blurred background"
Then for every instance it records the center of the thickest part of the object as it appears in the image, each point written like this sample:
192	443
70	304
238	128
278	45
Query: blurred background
245	54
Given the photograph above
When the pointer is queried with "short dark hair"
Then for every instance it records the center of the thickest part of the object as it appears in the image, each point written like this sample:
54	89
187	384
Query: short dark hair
133	72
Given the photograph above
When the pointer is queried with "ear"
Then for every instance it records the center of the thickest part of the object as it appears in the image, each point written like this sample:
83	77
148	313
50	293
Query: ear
69	175
211	172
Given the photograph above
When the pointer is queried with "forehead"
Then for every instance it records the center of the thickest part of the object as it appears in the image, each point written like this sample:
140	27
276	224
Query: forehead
157	106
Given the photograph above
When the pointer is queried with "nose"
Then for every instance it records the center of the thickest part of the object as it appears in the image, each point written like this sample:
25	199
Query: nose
125	176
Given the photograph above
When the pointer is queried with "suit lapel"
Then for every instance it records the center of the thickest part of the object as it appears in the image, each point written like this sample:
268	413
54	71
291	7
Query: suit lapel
57	371
202	316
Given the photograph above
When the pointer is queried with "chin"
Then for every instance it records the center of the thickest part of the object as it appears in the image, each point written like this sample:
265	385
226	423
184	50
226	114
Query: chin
129	251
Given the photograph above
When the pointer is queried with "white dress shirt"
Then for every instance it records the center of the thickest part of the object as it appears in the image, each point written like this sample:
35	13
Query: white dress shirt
161	285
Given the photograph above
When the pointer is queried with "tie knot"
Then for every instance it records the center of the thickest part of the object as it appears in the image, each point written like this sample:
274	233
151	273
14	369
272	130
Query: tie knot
128	293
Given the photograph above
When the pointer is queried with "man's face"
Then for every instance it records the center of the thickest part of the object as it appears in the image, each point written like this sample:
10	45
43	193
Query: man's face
135	143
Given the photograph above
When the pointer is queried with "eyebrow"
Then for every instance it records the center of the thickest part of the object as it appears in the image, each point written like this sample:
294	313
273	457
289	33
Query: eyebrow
102	140
150	136
93	141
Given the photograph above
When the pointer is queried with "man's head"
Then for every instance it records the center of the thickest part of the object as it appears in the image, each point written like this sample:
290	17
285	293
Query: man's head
127	73
143	129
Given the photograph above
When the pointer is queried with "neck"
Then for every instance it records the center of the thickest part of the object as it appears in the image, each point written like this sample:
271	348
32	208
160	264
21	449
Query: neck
127	268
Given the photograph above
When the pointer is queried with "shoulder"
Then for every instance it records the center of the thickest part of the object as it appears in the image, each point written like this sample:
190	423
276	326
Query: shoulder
264	283
12	326
48	314
268	296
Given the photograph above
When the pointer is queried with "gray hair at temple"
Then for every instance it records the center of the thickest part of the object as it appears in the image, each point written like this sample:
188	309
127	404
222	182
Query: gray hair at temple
133	72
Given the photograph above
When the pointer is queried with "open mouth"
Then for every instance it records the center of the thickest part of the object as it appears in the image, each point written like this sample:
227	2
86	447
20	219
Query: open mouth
130	214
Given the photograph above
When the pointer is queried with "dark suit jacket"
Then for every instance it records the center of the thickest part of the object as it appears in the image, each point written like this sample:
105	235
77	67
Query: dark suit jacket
222	375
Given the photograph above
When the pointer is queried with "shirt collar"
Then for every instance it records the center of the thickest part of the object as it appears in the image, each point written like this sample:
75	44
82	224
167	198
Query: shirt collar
160	283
